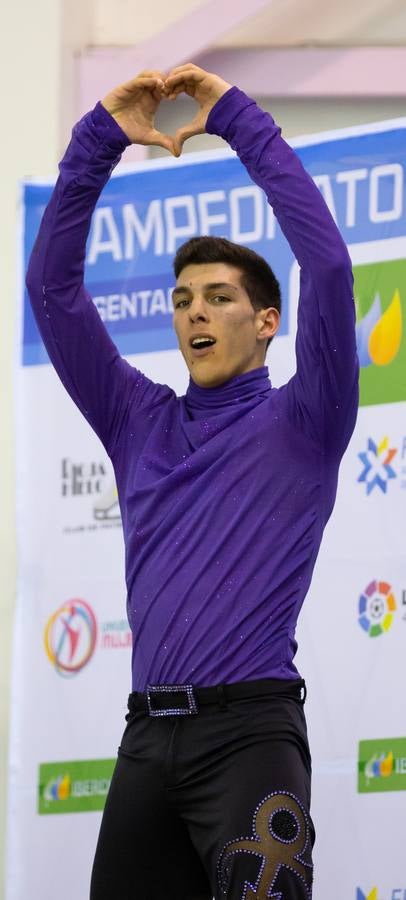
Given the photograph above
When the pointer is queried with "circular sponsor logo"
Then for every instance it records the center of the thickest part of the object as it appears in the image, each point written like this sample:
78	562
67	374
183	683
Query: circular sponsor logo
376	607
70	637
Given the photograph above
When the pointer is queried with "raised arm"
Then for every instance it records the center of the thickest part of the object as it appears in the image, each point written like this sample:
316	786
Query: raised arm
101	383
322	397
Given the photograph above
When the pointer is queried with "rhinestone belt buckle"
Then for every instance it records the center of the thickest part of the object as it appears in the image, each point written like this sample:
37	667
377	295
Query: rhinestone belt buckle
191	708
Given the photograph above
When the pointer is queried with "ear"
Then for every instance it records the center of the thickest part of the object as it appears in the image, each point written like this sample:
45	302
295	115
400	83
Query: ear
268	321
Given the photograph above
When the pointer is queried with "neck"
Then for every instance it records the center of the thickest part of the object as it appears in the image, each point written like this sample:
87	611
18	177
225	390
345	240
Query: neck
235	390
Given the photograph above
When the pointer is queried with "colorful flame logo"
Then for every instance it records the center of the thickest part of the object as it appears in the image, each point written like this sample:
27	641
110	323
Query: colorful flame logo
379	766
57	789
379	334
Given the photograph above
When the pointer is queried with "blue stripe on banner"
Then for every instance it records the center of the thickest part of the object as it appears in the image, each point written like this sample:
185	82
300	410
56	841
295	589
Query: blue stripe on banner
135	304
34	355
145	342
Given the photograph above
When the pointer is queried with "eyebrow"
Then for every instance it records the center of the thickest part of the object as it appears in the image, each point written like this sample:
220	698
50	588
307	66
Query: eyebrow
211	286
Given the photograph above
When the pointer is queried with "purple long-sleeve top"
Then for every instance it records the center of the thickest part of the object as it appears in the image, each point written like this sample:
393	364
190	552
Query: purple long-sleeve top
225	492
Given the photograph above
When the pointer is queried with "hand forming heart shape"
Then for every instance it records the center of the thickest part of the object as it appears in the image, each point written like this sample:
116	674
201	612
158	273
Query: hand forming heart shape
134	104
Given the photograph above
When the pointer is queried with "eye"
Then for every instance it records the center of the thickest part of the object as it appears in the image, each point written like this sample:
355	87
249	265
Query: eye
181	303
216	298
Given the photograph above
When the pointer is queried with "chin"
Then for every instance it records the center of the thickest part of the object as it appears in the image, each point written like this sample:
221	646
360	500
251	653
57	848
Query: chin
209	379
209	374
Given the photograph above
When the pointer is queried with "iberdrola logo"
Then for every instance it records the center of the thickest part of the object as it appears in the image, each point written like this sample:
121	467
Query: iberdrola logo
57	788
379	766
382	765
380	299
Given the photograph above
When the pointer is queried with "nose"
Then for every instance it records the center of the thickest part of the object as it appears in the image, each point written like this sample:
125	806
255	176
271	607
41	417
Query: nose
198	310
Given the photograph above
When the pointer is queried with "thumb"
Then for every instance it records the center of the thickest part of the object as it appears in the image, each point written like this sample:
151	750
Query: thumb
158	139
187	131
179	139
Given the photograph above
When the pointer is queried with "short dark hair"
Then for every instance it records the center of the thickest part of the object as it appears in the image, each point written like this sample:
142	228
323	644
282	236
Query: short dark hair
257	277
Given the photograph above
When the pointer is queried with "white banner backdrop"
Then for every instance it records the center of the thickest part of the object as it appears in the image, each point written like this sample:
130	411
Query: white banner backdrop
72	649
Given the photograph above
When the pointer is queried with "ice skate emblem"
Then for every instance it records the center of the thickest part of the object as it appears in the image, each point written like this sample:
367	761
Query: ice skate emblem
281	838
107	506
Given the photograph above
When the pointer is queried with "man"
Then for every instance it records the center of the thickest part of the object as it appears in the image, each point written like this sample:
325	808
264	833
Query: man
224	495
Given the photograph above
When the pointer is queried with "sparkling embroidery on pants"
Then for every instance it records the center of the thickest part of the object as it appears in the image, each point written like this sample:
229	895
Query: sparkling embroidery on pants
281	837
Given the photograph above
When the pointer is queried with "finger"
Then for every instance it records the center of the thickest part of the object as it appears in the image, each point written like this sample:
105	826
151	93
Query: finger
158	139
184	78
126	93
172	94
183	67
152	73
158	93
188	76
143	81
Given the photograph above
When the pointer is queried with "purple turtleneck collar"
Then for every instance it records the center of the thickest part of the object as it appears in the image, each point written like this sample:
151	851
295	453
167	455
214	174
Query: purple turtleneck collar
253	384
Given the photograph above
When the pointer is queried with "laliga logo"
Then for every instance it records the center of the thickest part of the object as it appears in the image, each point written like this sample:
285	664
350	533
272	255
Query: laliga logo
376	608
70	637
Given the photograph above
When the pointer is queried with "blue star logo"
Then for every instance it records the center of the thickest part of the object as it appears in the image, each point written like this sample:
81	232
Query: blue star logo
377	469
373	895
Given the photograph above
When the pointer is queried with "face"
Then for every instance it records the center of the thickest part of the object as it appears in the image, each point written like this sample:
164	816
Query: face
219	332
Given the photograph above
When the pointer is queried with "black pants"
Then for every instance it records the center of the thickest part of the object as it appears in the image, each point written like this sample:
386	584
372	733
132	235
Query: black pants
210	805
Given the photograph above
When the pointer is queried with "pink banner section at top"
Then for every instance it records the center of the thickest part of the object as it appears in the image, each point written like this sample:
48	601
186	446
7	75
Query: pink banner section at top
180	42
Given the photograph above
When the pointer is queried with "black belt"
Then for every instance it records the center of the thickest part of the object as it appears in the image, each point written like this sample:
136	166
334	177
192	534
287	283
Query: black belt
185	699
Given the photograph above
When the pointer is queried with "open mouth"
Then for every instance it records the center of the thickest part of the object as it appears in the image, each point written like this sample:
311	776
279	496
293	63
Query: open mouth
202	342
202	345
